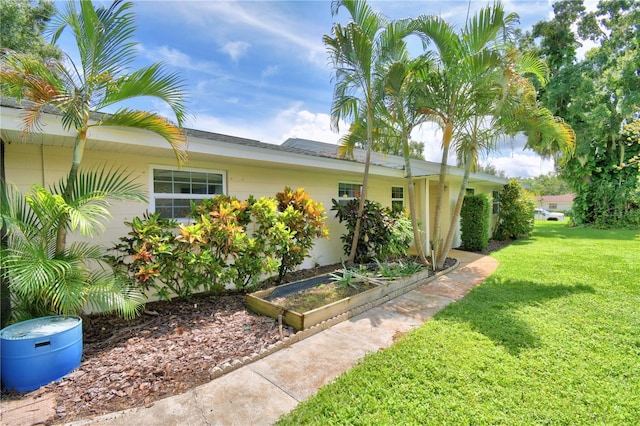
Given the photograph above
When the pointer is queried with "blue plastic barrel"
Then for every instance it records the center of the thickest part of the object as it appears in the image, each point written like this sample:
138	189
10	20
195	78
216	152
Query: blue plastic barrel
39	351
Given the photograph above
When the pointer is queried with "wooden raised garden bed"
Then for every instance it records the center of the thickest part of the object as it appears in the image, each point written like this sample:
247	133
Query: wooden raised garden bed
264	301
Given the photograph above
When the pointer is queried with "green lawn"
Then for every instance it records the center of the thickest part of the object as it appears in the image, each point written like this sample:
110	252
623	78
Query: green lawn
552	337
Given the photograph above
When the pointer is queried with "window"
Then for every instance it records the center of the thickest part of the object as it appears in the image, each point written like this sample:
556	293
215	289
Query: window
173	190
348	191
496	202
470	191
553	206
397	197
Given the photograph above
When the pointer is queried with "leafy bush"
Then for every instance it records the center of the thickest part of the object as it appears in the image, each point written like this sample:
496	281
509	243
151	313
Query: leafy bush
474	222
229	242
516	212
384	233
305	220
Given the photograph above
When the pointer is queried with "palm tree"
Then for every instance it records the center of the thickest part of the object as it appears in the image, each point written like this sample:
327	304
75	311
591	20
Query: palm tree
400	110
80	93
101	80
463	64
495	98
358	51
47	282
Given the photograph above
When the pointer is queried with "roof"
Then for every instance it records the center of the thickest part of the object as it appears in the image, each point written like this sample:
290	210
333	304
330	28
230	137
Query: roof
319	154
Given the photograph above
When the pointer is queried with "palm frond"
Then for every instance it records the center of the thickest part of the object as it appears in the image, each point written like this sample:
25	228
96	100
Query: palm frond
151	81
154	123
108	292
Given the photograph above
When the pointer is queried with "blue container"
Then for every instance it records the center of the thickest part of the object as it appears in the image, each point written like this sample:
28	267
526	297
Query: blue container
39	351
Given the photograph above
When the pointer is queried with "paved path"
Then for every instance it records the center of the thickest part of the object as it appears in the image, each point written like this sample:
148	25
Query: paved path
260	392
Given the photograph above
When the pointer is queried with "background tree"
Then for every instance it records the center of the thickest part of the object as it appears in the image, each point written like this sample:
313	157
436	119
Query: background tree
549	184
597	95
23	22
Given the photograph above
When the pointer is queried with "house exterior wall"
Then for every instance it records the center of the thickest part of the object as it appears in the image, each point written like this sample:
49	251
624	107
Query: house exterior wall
28	164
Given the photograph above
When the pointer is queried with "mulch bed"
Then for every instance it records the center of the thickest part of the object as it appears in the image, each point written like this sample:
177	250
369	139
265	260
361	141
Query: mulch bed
168	350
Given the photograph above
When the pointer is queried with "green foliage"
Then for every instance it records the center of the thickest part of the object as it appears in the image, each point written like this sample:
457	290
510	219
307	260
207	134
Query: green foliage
385	233
23	22
44	281
397	268
347	277
474	222
597	95
229	242
515	219
305	220
549	184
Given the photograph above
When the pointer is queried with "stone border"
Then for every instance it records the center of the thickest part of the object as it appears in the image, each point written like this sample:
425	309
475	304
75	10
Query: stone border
287	341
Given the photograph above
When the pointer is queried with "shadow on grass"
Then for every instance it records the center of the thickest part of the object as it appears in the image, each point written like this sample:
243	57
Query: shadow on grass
492	309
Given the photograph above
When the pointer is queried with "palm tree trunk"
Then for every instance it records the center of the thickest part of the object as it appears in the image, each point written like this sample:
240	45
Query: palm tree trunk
412	202
453	227
437	226
78	152
363	196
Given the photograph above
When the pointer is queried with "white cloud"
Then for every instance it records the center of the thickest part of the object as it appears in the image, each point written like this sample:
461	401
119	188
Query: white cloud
522	165
308	125
269	71
235	49
266	18
176	58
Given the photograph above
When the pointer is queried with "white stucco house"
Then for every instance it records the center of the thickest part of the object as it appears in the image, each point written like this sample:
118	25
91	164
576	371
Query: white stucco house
225	164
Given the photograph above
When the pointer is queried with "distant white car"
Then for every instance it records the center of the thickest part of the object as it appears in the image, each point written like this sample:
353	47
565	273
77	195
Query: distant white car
543	214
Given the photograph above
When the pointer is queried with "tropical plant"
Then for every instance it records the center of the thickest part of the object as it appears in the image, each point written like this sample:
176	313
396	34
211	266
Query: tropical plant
304	219
477	92
78	91
386	233
44	281
357	52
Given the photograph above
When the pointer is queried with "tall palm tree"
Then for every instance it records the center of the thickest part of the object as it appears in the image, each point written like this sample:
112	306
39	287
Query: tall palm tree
463	63
495	98
402	114
358	51
101	80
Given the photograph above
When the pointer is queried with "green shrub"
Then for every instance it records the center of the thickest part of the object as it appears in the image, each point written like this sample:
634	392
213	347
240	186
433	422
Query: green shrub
229	242
515	218
474	222
305	220
384	232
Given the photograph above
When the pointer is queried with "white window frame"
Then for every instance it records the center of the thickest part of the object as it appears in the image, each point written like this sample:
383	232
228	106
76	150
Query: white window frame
395	200
495	205
163	195
343	199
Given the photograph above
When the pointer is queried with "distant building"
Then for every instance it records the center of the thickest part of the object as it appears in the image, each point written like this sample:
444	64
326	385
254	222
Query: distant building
562	202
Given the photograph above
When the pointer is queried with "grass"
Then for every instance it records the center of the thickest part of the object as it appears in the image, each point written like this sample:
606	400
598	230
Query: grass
552	337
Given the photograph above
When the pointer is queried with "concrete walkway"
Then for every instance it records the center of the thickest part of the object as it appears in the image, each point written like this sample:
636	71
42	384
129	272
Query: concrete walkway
260	392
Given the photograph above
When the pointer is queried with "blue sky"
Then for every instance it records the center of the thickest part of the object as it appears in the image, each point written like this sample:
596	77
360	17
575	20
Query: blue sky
259	69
